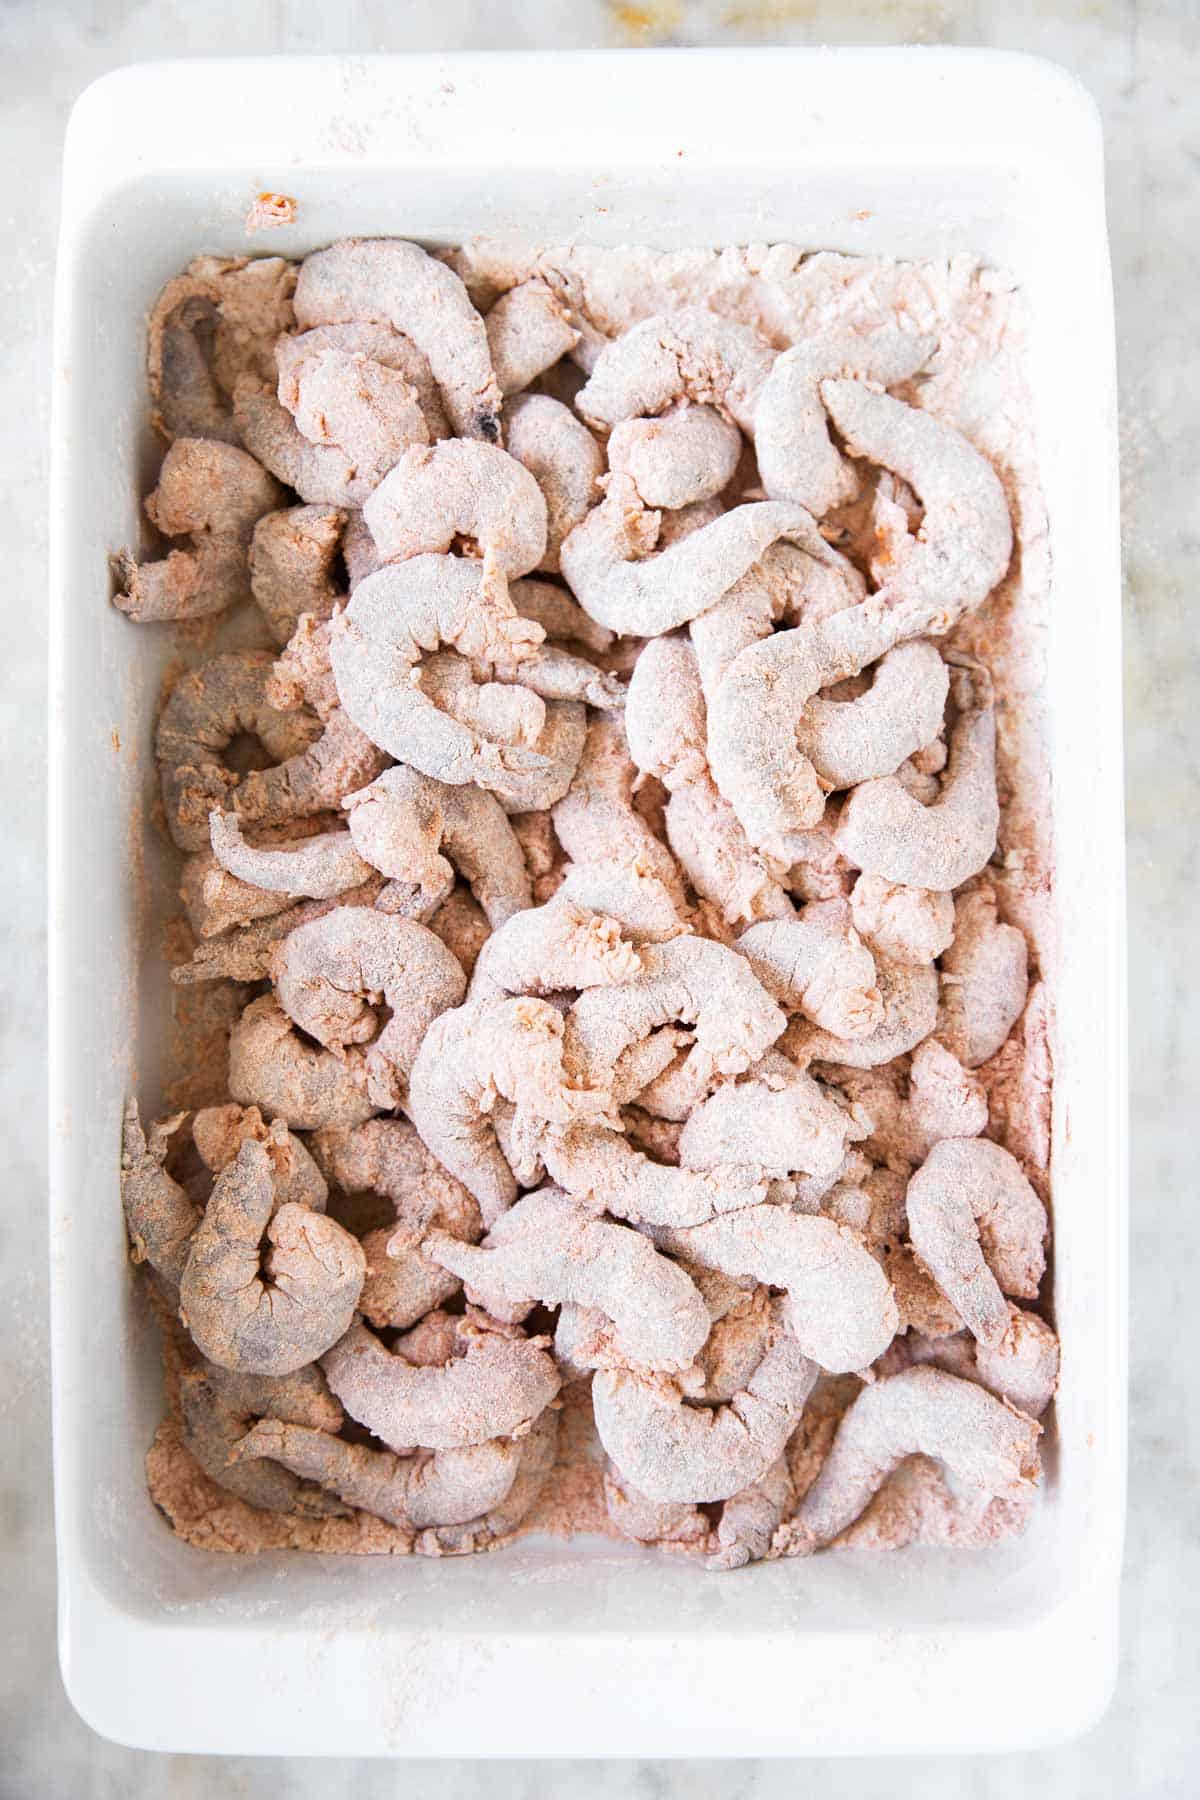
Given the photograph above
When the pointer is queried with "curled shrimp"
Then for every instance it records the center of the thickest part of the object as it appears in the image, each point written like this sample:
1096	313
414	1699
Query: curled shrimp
160	1215
647	1521
329	974
943	1100
885	831
849	741
909	993
750	1519
218	1407
816	963
638	902
980	1230
394	282
214	900
377	642
552	607
552	948
271	1067
689	354
688	453
315	1269
1022	1370
796	457
528	330
673	1452
965	541
495	1386
596	821
218	320
593	1162
564	459
840	1307
538	1450
316	868
776	1118
219	1132
615	573
404	820
549	1249
793	582
292	556
985	980
213	495
903	924
986	1444
460	489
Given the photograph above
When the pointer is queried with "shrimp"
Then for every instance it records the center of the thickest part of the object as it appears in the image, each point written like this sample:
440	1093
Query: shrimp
218	320
673	1452
377	642
840	1307
159	1214
273	1068
214	900
797	582
901	924
560	617
688	453
393	282
322	474
460	489
566	462
943	1101
985	980
594	1162
549	1249
470	1058
538	1450
292	556
985	1443
776	1118
315	1271
218	1407
245	954
495	1385
596	822
212	494
639	903
528	330
404	819
796	458
328	975
965	541
219	1132
884	831
980	1230
909	993
460	923
316	868
689	354
817	963
609	559
750	1519
849	741
1022	1370
648	1521
554	947
502	712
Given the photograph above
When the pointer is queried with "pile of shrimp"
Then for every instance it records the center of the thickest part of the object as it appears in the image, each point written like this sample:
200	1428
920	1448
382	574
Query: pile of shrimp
613	976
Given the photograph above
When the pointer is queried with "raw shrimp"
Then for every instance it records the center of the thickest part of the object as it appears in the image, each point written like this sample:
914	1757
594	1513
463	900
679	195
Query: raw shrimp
647	1521
495	1386
902	924
159	1214
637	901
528	330
219	1132
884	831
849	741
212	494
292	557
330	974
688	354
796	458
776	1117
552	607
1022	1370
214	900
551	948
596	1163
985	980
943	1101
787	583
538	1450
549	1249
750	1519
404	819
502	712
965	541
245	954
315	1269
688	453
673	1452
316	868
322	474
596	821
909	993
986	1444
218	320
817	963
564	459
388	280
218	1407
271	1067
377	642
459	489
840	1307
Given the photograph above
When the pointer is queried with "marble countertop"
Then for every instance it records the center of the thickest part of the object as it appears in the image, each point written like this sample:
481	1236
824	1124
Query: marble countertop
1142	62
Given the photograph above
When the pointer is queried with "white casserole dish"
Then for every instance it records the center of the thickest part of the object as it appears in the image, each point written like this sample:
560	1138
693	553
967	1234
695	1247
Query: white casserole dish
548	1648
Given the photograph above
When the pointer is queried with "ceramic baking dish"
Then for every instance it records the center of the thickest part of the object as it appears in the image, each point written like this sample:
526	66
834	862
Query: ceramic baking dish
550	1648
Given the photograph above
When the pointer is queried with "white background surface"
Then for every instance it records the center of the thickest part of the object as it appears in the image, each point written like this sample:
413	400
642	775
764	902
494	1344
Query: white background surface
1142	62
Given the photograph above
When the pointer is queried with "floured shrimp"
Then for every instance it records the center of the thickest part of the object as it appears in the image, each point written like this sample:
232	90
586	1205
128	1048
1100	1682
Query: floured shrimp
292	557
458	489
690	354
540	782
688	453
315	1269
494	1385
528	330
273	1068
498	711
647	1521
160	1214
943	1100
1022	1370
218	320
330	974
884	831
560	617
404	820
777	1118
376	644
849	741
816	963
315	868
793	583
244	952
388	280
980	1230
213	495
564	459
909	993
987	1445
471	1058
673	1452
796	457
840	1307
596	821
537	1451
219	1132
552	948
985	980
549	1249
214	900
903	924
965	541
637	901
218	1407
750	1518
